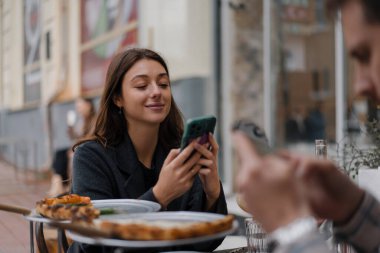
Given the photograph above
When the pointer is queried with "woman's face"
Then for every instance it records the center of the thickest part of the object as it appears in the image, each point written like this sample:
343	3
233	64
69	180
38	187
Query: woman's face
145	94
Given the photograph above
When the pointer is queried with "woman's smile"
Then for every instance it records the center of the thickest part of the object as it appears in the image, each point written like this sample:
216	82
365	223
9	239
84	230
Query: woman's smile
156	106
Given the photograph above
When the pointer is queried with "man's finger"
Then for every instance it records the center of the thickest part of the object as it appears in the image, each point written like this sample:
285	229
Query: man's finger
244	146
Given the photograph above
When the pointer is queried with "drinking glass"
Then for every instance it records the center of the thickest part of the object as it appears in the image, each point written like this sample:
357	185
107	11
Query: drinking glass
256	237
341	247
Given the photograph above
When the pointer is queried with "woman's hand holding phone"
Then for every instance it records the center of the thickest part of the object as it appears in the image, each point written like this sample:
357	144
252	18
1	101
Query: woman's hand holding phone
177	174
208	173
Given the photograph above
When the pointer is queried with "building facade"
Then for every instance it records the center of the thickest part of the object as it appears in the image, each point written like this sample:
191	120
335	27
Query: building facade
280	63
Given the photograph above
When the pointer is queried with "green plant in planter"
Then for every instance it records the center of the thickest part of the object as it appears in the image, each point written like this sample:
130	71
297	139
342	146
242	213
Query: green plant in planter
352	157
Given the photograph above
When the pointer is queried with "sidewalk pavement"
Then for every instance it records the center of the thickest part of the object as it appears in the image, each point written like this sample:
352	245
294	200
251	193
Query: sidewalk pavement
20	189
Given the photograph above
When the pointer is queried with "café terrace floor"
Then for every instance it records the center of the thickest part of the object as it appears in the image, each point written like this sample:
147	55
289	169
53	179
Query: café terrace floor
24	189
20	189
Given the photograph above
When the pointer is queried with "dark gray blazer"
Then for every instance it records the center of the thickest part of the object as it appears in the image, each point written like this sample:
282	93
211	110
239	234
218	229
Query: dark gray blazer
115	172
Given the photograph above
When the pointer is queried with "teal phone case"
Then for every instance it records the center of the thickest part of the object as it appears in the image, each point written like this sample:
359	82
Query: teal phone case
198	127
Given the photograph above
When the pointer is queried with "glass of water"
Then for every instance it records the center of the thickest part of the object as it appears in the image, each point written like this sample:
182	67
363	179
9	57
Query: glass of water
342	247
257	241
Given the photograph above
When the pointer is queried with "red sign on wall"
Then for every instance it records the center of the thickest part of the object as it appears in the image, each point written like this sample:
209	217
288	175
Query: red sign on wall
108	27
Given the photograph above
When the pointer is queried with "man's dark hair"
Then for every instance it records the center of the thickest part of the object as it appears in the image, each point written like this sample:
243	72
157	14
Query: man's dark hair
371	8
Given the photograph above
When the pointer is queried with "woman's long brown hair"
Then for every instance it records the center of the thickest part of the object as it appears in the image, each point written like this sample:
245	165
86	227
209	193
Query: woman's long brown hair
110	125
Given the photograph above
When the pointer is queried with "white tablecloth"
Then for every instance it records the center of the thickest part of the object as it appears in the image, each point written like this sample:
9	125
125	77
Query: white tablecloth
233	241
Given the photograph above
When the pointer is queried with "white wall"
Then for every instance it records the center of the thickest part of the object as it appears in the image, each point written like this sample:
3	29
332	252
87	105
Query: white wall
1	53
52	69
73	78
12	79
181	31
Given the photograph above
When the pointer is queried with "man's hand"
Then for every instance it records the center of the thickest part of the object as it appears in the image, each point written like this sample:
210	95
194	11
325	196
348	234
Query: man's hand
269	186
331	194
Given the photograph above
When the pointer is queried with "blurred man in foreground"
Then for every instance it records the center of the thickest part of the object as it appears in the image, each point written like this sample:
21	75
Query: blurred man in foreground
285	191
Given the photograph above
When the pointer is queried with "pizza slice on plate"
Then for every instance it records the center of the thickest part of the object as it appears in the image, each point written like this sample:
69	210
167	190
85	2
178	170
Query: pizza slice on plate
67	207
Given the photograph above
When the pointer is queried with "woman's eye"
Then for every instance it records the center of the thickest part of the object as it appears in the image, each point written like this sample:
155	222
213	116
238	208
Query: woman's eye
141	87
164	85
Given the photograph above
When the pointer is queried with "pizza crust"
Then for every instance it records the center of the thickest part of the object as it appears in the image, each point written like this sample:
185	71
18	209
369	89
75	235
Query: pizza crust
165	230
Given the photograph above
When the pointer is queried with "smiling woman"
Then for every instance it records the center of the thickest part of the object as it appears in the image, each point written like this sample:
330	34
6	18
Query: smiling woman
133	152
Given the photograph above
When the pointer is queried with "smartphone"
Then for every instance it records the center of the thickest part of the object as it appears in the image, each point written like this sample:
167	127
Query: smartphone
198	127
255	134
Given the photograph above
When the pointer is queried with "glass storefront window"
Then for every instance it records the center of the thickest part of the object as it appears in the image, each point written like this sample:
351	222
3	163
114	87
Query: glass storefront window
310	94
306	86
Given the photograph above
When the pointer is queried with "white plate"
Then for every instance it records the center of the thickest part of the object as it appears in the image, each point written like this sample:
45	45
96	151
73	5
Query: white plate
183	216
36	217
124	206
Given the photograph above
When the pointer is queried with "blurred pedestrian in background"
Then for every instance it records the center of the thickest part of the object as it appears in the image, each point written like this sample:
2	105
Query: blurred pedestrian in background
315	123
79	124
295	127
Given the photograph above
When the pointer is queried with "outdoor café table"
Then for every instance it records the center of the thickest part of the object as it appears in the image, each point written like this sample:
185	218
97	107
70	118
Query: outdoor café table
130	206
231	244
